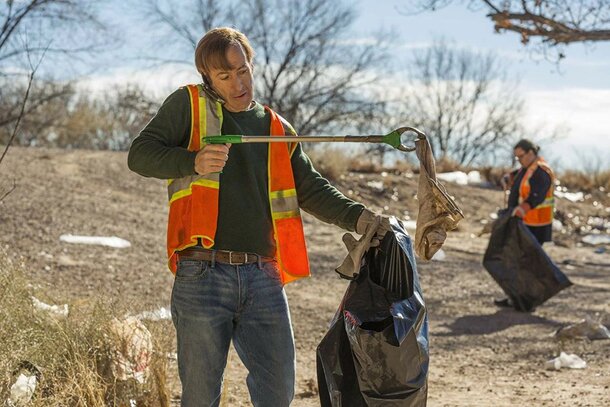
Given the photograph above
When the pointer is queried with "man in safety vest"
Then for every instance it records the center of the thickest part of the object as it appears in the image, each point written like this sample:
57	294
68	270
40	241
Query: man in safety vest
235	234
531	194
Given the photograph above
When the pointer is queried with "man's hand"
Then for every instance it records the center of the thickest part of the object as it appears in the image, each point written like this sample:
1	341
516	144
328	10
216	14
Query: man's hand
521	210
369	218
211	158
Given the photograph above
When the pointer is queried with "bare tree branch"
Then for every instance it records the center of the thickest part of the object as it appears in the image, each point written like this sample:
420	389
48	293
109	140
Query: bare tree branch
554	22
462	102
305	65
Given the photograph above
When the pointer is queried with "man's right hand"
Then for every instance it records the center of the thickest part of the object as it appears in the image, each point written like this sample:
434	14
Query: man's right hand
211	158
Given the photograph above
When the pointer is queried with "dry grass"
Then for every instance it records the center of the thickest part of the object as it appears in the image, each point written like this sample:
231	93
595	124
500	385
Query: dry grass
73	355
587	181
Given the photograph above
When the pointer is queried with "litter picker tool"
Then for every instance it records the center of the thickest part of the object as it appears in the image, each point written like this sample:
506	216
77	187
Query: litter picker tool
397	139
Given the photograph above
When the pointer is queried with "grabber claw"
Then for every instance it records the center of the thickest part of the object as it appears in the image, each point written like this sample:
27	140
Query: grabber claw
395	138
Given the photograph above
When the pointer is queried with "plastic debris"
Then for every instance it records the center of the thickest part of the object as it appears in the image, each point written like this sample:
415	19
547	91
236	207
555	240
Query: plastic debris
595	240
570	196
132	351
110	241
22	390
57	311
587	328
410	224
568	360
557	225
461	178
376	186
440	255
156	315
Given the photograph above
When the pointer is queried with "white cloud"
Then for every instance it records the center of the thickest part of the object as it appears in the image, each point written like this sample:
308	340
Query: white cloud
582	118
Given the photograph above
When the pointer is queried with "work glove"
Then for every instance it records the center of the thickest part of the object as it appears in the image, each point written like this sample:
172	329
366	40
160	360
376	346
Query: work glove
370	219
521	210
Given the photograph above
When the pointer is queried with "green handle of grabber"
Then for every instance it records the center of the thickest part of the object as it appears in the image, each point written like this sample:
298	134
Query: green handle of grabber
223	139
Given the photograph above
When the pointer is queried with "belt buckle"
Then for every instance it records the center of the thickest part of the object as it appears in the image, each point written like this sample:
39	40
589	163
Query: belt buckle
231	260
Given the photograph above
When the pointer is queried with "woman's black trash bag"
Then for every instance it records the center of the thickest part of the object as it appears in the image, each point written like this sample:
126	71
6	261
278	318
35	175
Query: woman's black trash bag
376	350
518	263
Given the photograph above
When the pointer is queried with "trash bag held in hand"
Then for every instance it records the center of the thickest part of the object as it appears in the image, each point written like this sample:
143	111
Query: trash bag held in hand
518	263
376	350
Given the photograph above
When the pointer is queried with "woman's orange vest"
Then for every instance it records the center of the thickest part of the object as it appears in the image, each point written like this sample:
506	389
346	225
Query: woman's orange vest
193	200
542	214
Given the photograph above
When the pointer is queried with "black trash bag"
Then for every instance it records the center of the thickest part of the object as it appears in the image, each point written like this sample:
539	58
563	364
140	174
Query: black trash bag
518	263
376	350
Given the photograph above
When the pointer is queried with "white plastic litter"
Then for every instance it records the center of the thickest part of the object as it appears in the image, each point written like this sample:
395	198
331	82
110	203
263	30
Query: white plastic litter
111	241
568	360
410	224
132	351
57	311
22	390
461	178
156	315
595	240
557	225
376	185
439	255
570	196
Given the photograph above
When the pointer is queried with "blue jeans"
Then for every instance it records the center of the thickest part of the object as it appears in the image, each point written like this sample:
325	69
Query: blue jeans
212	305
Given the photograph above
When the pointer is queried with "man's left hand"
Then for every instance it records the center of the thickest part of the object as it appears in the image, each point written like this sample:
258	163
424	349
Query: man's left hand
521	210
367	219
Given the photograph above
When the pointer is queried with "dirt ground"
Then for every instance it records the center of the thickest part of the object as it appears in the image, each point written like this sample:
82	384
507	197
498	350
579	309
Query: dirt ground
480	355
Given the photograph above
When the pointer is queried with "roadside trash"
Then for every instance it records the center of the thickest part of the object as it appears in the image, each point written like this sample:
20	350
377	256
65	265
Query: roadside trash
600	250
570	196
595	240
156	315
132	351
517	262
461	178
375	352
376	186
568	360
110	241
440	255
557	225
587	328
21	391
56	311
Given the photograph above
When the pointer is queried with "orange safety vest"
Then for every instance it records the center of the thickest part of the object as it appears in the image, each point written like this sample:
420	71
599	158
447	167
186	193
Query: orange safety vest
542	214
193	200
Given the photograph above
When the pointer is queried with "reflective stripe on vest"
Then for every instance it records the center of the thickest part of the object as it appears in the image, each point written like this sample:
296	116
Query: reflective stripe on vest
195	194
194	199
291	251
542	214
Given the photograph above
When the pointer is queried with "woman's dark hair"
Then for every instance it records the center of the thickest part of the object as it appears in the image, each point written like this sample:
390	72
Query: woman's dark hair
526	145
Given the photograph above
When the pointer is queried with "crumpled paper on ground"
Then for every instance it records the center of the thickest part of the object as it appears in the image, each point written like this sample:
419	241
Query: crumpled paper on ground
438	212
132	351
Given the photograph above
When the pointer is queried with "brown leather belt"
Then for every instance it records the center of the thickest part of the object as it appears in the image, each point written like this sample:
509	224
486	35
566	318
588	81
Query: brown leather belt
221	256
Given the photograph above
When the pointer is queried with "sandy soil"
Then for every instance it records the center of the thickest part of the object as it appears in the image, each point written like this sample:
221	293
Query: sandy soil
480	355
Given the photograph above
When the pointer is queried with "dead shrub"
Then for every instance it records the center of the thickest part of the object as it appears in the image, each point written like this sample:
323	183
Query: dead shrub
73	354
330	161
586	181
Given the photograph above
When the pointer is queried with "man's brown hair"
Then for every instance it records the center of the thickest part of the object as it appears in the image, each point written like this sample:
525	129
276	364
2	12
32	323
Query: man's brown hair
212	48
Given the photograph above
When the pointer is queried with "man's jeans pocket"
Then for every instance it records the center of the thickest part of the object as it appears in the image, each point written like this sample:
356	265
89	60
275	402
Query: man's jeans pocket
191	270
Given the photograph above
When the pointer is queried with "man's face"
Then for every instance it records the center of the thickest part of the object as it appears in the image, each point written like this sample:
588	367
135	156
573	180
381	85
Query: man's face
525	157
234	85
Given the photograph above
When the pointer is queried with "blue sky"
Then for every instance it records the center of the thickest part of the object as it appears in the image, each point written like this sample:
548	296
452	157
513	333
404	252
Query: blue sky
573	96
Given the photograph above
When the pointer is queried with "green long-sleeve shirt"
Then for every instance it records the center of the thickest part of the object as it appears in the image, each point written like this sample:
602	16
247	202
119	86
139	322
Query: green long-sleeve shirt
244	216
